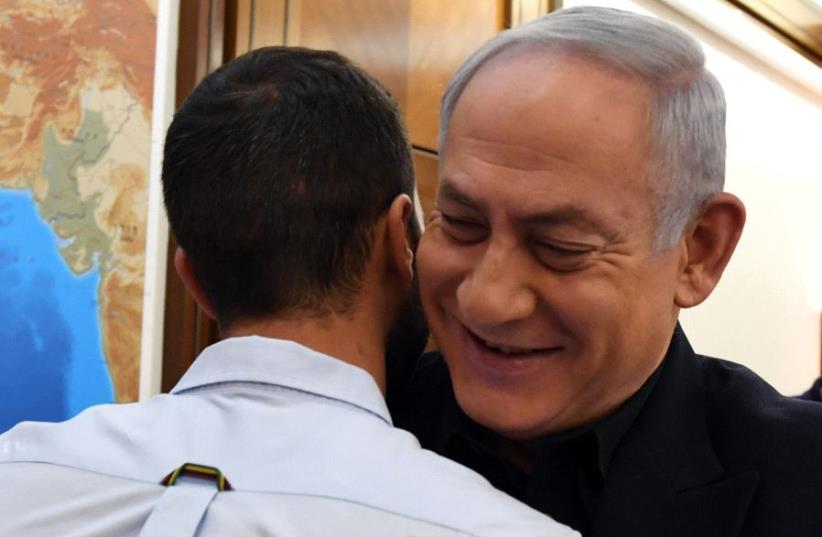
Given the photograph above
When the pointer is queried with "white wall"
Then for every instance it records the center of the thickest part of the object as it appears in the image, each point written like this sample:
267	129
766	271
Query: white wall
154	291
767	311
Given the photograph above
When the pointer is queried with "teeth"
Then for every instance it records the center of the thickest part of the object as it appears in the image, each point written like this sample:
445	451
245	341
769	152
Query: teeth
506	349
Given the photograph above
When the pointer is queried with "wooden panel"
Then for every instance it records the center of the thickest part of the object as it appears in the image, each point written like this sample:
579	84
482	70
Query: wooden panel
426	170
268	23
180	343
797	22
216	35
192	62
523	11
238	26
442	36
412	46
179	326
372	33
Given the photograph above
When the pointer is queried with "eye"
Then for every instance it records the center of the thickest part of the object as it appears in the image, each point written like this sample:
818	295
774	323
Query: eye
564	257
462	230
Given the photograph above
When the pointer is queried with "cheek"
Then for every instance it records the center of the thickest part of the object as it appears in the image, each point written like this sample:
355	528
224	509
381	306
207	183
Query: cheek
428	268
597	319
585	306
440	267
652	295
620	321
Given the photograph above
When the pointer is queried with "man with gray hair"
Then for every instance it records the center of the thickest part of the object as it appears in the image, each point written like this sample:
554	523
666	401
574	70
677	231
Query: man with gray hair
580	207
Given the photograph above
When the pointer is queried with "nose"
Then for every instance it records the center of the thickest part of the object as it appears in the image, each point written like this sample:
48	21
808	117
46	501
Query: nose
496	292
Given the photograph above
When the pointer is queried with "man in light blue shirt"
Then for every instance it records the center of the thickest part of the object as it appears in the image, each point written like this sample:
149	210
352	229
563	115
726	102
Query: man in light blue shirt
288	183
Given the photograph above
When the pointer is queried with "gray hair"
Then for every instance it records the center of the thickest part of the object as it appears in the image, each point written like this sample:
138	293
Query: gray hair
688	113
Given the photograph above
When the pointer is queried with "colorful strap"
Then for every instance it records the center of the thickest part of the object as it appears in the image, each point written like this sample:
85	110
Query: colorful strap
198	471
181	508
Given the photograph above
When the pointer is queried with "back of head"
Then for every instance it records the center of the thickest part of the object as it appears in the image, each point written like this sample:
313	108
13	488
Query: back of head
687	119
276	168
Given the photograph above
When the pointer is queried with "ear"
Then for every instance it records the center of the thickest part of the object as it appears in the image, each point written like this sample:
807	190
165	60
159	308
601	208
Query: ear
708	245
182	263
399	253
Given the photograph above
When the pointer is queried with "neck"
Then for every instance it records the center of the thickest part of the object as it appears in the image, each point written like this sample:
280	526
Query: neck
353	338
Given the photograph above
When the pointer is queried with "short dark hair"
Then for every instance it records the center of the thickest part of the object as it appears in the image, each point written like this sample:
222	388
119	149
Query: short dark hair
276	168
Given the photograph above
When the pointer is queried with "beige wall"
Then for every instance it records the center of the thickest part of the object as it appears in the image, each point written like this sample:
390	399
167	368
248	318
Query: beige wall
767	310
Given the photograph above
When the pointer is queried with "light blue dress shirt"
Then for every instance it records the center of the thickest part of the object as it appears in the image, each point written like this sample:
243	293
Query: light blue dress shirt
305	441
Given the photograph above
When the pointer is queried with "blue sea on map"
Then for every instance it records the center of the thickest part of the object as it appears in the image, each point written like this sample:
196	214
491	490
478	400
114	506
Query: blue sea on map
51	357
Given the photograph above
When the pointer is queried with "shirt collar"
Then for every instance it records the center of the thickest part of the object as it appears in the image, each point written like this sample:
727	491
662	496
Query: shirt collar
254	359
609	431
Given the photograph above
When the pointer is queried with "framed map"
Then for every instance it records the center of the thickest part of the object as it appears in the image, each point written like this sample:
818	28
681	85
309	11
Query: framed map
76	83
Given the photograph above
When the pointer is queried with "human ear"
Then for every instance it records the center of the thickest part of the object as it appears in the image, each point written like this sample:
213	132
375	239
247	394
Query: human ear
401	256
182	263
709	243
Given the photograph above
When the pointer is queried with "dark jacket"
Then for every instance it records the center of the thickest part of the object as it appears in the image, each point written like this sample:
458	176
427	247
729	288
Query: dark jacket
815	393
715	451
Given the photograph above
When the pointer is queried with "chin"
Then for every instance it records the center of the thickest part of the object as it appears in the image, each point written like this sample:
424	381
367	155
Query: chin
510	417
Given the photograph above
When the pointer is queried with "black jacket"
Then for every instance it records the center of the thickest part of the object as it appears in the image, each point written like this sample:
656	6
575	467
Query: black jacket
715	451
815	393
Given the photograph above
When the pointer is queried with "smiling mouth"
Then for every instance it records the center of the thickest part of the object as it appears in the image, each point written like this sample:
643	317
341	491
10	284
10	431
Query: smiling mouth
507	349
513	351
504	358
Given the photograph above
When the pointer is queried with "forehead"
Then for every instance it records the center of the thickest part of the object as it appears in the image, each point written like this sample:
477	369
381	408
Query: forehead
565	126
554	104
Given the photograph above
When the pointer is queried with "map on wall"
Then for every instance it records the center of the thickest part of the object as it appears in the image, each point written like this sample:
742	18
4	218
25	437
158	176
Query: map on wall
75	110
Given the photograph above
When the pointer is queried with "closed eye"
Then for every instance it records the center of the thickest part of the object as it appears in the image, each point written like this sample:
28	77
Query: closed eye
563	250
562	257
461	230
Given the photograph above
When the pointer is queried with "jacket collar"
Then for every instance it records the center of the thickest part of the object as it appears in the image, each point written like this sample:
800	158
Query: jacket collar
666	478
286	364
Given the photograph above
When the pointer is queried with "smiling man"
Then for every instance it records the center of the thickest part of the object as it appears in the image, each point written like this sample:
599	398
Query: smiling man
580	208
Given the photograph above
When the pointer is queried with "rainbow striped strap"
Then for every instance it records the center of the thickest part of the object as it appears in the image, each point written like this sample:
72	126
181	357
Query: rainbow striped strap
198	471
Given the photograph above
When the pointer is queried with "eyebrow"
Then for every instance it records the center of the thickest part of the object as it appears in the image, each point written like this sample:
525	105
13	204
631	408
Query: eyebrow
448	190
562	215
574	216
